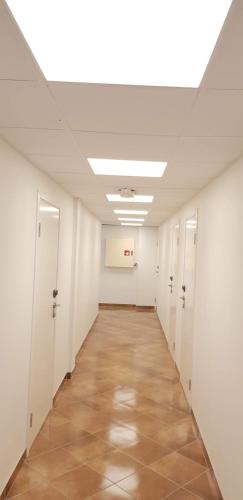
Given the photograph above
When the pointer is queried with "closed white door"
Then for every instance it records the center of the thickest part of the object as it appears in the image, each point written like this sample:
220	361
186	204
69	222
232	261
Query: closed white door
173	286
187	302
44	311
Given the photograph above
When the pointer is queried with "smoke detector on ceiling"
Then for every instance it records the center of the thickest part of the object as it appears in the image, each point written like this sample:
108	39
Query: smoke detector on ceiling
126	192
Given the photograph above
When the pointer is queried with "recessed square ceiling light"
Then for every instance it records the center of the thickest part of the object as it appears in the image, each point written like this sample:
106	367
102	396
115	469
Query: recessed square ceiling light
131	212
149	42
130	224
127	167
137	198
131	219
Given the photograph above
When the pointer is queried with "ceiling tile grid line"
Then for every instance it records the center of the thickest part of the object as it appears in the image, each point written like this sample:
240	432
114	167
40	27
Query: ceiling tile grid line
58	125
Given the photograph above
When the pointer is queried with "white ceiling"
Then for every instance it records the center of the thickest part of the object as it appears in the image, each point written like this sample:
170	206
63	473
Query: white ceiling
58	125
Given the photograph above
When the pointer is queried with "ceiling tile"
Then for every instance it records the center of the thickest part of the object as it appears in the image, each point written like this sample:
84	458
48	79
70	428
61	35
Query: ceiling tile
27	104
217	113
122	108
209	149
39	142
225	68
60	164
126	146
17	62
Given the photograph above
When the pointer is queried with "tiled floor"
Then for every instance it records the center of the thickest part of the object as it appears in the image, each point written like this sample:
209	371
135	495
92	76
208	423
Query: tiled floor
120	428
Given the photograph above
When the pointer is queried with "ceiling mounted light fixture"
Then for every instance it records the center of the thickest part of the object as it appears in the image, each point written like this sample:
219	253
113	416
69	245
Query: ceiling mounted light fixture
130	224
130	212
135	199
127	168
131	219
181	35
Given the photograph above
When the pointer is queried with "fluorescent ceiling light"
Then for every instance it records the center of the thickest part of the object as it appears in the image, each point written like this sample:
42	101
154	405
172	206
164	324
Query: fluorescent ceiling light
131	212
137	198
138	42
131	219
127	167
130	224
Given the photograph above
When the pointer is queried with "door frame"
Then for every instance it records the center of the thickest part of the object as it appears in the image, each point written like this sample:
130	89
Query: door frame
194	213
44	197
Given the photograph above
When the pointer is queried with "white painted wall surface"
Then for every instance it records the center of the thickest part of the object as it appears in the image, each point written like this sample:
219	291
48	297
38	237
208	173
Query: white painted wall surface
88	273
19	185
217	399
147	260
130	286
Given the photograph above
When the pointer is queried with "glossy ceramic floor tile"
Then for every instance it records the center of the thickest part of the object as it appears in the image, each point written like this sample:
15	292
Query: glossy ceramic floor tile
121	427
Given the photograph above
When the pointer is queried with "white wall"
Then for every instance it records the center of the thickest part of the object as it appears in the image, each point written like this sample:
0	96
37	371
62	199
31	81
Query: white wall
217	399
130	286
19	185
87	273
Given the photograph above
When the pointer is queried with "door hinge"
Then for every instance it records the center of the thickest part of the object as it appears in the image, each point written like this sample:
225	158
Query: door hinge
39	230
178	241
31	420
173	345
195	238
155	300
190	385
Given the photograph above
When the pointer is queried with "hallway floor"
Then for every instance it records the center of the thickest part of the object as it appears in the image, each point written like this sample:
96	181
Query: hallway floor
120	428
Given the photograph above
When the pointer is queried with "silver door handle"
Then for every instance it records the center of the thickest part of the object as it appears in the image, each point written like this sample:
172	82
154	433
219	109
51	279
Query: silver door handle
54	306
183	298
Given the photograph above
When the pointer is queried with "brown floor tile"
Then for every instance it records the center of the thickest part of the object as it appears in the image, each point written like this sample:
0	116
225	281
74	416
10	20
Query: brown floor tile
54	463
146	451
81	483
177	435
145	424
41	492
118	435
41	445
177	468
112	493
204	486
26	479
87	448
65	434
194	451
182	495
147	485
114	465
120	420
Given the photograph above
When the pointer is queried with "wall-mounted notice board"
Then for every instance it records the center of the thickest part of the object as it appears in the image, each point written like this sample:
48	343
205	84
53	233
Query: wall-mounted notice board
119	253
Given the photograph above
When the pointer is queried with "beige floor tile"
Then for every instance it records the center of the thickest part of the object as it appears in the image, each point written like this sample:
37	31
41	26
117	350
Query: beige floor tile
81	483
145	425
118	435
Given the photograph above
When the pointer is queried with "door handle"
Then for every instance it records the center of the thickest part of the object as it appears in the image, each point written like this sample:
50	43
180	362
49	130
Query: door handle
54	307
171	287
183	298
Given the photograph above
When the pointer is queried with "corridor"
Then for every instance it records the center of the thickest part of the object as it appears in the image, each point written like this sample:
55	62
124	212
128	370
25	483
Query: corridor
120	428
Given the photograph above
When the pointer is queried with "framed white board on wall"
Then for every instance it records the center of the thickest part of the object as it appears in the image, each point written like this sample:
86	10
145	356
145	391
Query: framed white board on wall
119	253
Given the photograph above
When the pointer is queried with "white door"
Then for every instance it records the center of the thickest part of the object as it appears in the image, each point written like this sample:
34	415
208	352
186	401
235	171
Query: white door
173	286
187	301
44	310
